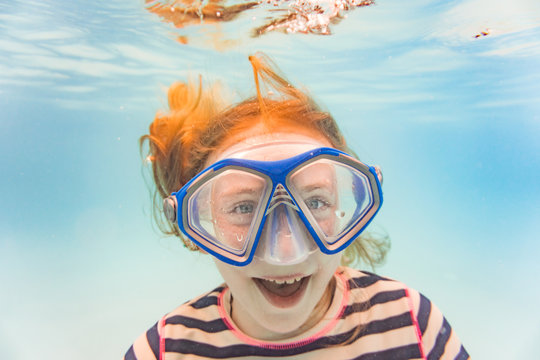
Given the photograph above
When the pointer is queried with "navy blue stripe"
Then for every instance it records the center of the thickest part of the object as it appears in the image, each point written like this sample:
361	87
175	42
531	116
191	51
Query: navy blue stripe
387	296
376	275
440	342
371	328
204	302
365	281
213	352
130	354
379	298
208	300
390	323
423	313
213	326
210	351
362	282
399	353
153	339
463	355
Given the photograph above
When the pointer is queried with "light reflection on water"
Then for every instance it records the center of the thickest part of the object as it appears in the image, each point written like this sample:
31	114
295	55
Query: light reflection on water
263	16
452	118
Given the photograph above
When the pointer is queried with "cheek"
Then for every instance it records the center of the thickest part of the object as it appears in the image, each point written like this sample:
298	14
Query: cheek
232	235
328	264
235	277
328	225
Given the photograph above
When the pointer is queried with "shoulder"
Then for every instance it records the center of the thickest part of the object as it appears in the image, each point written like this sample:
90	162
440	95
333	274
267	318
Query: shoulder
370	284
393	301
376	301
198	315
439	340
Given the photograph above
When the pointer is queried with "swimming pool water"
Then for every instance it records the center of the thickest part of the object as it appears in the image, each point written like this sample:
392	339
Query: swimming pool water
452	118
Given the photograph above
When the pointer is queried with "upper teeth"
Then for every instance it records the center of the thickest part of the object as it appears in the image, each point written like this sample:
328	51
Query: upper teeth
289	281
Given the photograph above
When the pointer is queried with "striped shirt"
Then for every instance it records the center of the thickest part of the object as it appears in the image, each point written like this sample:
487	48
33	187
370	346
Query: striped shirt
371	317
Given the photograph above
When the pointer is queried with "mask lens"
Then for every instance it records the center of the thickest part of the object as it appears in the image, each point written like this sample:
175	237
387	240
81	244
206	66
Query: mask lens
334	197
224	209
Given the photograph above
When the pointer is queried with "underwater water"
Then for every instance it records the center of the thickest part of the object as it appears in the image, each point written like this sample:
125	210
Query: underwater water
443	95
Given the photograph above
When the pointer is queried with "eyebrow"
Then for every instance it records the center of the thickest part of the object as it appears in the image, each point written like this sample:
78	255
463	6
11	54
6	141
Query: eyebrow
240	191
313	187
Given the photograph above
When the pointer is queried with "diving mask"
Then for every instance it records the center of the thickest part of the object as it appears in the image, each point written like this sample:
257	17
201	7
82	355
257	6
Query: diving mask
279	211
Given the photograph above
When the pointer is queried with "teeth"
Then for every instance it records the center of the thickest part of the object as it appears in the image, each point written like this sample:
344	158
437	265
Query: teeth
289	281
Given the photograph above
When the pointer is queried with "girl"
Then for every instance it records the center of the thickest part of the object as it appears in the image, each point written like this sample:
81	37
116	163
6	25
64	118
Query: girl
270	190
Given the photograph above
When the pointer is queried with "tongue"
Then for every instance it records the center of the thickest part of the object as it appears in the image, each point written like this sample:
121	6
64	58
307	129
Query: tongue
282	290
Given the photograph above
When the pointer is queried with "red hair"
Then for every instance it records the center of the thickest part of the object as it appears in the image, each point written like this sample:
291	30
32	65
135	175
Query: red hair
199	122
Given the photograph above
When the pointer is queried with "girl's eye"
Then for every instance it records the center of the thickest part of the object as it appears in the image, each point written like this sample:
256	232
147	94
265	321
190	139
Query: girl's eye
243	208
316	204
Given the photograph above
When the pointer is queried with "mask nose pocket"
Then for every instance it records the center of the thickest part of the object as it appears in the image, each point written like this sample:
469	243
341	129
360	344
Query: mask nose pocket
284	238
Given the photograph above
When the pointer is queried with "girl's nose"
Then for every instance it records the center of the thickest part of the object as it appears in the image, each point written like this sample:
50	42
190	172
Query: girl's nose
284	239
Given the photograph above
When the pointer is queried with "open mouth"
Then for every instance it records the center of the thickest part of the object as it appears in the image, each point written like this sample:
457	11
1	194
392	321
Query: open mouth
283	293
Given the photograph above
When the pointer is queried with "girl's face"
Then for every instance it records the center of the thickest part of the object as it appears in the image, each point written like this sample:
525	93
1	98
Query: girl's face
272	302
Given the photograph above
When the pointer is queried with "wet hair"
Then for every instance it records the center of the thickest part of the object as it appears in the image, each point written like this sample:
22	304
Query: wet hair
199	121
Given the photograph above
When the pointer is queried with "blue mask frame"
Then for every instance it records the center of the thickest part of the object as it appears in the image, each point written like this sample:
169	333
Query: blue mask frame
275	172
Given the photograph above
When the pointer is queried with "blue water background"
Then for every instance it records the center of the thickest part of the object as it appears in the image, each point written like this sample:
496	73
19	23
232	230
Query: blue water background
454	121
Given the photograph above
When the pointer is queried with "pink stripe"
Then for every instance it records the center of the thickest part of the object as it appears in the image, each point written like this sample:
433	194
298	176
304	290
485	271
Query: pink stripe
416	326
161	339
268	345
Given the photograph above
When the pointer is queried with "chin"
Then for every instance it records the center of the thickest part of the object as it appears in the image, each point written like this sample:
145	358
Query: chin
287	315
